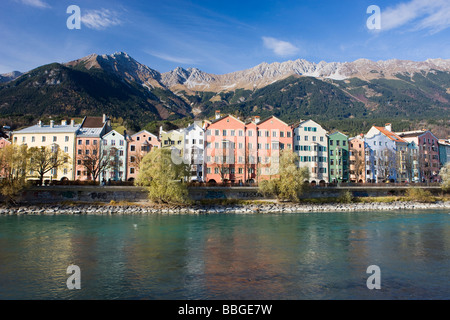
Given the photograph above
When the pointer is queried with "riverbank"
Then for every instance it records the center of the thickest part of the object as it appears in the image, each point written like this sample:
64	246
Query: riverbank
251	208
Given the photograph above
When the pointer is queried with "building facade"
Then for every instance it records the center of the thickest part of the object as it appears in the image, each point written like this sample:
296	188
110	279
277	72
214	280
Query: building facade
194	148
89	147
228	155
338	157
428	144
386	155
311	145
53	135
357	160
114	149
139	144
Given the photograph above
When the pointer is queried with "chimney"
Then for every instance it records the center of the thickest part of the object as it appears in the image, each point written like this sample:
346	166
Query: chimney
257	119
125	134
217	114
104	118
388	126
72	122
52	123
64	122
40	123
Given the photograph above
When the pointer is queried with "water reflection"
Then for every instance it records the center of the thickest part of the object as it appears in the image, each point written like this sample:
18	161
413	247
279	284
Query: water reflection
295	256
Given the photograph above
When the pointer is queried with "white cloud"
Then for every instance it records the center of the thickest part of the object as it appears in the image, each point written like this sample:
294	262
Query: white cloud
279	47
100	19
426	14
36	3
170	58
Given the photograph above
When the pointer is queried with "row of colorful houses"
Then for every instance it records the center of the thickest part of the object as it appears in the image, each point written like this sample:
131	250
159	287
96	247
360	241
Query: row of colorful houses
230	150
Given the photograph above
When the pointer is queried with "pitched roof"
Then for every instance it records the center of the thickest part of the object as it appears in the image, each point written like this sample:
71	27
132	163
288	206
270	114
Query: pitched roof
391	135
93	122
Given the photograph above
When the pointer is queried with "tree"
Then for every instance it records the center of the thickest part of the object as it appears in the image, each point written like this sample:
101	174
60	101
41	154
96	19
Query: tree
45	159
290	182
163	178
93	160
445	176
13	169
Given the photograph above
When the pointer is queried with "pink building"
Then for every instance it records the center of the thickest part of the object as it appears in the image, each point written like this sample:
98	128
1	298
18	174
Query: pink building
4	142
226	150
139	145
88	146
244	152
274	136
427	143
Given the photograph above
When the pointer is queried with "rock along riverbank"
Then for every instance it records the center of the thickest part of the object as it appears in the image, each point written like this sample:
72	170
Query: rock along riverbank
259	208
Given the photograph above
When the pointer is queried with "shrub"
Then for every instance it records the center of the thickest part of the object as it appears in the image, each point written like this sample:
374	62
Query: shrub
419	194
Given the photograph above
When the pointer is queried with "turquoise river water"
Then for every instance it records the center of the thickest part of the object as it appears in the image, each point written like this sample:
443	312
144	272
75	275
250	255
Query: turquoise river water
233	256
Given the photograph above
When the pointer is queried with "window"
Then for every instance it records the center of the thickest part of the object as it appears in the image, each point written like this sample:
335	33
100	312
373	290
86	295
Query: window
344	143
241	133
65	171
80	142
314	138
208	132
267	133
121	142
250	133
232	133
306	138
331	142
338	143
131	170
66	149
87	152
208	170
78	173
281	134
288	134
217	132
66	138
132	159
274	134
121	153
80	151
216	170
23	139
224	132
55	138
105	142
94	142
43	138
33	139
250	146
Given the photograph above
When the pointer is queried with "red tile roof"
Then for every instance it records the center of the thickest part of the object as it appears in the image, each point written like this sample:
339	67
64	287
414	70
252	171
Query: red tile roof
391	135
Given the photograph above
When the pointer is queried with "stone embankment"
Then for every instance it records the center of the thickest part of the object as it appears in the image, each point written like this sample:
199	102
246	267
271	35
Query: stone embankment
262	208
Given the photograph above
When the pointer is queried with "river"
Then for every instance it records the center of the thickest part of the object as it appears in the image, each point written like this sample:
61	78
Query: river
227	256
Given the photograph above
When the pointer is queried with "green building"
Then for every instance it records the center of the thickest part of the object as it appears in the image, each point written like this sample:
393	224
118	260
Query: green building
338	157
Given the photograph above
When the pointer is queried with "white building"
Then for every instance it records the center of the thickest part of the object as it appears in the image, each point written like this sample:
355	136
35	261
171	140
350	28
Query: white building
114	145
194	149
311	144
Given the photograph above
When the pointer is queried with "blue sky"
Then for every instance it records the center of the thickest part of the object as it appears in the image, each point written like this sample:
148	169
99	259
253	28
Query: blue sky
221	36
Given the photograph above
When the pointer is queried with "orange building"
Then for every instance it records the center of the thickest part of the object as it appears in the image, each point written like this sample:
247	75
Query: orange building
357	159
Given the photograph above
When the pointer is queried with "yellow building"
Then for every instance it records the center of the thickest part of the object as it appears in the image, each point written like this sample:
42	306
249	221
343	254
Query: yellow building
62	135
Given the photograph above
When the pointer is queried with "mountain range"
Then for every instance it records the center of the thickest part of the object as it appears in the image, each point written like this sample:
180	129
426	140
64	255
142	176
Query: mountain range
120	86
